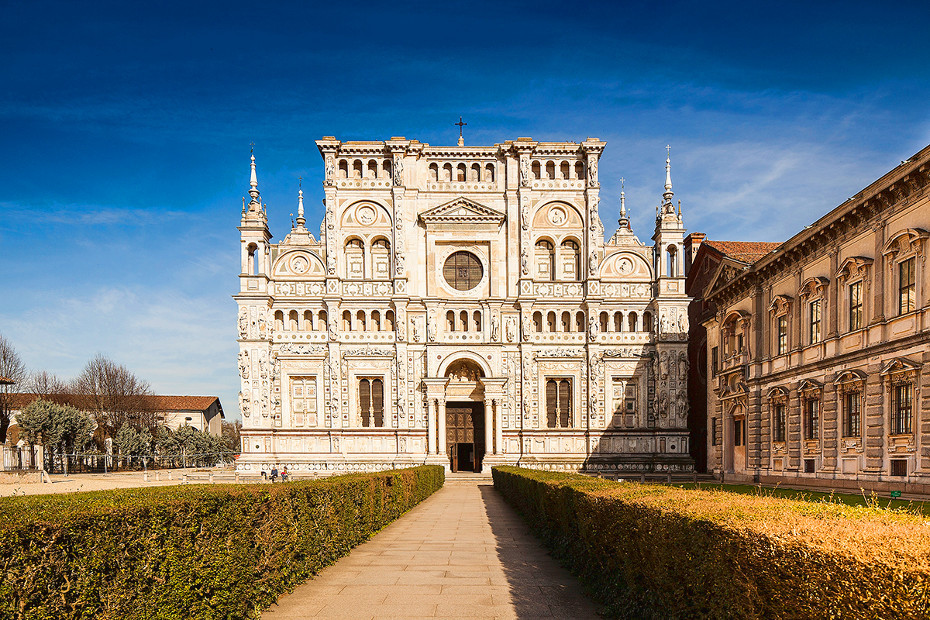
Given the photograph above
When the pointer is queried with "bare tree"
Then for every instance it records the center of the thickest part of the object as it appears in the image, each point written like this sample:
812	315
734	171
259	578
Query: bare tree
48	386
12	368
115	396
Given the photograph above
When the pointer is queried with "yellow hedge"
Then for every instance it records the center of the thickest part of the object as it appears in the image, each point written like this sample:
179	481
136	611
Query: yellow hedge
204	551
651	551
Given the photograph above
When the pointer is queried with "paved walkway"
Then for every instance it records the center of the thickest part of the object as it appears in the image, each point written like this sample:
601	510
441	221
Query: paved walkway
462	553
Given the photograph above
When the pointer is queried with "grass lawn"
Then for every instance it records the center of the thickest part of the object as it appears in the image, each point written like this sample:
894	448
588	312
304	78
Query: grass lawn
816	496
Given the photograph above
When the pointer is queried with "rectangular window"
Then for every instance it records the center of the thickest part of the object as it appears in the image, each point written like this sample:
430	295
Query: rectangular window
809	466
371	402
303	400
713	431
815	321
901	406
855	306
778	428
714	354
812	421
907	287
782	335
899	467
853	425
739	432
558	403
739	342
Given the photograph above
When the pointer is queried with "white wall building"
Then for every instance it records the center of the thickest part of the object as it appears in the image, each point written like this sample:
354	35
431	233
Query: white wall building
461	307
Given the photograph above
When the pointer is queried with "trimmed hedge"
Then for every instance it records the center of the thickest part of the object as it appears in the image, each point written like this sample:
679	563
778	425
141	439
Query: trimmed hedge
652	551
200	551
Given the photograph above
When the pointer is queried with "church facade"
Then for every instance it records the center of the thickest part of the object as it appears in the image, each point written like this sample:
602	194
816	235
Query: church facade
461	307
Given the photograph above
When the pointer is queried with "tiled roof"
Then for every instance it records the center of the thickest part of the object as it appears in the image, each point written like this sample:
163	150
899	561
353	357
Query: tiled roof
5	381
20	400
746	251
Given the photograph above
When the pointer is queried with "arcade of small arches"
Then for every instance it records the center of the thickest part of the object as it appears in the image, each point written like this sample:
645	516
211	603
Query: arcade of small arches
296	321
563	169
364	169
565	321
449	172
368	321
566	255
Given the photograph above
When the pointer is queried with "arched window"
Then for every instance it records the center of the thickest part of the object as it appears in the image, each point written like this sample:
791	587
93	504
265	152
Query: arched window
605	321
632	321
550	322
461	171
375	321
357	169
537	321
361	324
489	173
566	170
252	263
475	174
381	259
463	320
647	322
433	172
346	321
322	319
447	172
536	170
450	321
292	321
308	321
566	322
372	169
343	169
550	169
618	321
545	260
389	320
571	258
579	321
386	169
579	170
672	262
279	321
355	259
477	320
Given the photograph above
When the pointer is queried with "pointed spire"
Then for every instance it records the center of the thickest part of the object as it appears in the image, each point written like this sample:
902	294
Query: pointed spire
668	206
300	203
624	221
254	204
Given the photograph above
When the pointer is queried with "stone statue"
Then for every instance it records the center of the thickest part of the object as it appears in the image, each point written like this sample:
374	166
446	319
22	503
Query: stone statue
332	329
415	325
261	323
398	170
682	404
663	365
244	364
592	263
511	329
401	326
663	404
592	327
524	259
494	327
431	327
243	322
525	216
592	171
682	366
524	171
330	167
664	323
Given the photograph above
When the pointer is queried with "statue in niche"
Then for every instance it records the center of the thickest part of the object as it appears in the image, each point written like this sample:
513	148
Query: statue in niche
524	171
525	216
592	171
431	327
682	322
663	365
415	325
663	404
398	170
524	262
682	404
592	327
330	168
244	364
682	366
592	263
494	327
243	322
663	323
511	329
401	326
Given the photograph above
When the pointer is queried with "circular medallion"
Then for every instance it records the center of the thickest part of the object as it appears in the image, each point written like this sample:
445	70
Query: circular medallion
626	266
365	215
299	264
557	216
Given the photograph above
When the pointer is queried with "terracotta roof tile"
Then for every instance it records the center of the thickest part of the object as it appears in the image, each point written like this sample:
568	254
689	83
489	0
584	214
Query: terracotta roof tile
5	381
746	251
21	400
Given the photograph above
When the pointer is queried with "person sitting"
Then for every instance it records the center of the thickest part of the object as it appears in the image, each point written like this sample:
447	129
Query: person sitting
274	474
284	474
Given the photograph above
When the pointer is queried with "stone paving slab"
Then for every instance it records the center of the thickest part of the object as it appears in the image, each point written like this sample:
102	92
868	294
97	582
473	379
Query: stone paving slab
462	553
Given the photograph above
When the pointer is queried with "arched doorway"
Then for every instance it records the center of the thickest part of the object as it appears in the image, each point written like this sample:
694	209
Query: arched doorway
465	419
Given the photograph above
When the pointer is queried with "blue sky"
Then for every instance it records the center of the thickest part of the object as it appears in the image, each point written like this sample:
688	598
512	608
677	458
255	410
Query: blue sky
126	131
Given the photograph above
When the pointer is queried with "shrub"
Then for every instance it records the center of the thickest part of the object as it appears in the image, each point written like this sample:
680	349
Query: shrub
651	551
200	551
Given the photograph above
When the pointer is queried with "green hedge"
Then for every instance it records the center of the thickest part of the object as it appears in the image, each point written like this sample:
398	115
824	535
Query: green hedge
652	551
200	551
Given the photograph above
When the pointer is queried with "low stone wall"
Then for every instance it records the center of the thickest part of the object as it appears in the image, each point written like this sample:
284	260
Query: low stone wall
20	477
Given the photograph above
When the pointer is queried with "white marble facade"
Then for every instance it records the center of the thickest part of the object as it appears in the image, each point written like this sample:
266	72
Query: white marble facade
461	307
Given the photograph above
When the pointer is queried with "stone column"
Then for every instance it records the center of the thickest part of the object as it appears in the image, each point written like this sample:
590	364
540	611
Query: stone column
489	426
431	427
441	415
498	427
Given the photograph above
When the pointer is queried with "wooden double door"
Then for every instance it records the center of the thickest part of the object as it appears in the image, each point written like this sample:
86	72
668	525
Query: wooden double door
465	435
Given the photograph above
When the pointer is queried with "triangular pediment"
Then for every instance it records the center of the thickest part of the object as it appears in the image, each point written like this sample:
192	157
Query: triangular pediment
462	210
728	269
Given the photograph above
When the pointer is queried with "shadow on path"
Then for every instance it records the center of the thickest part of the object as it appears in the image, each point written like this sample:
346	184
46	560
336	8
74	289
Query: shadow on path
539	586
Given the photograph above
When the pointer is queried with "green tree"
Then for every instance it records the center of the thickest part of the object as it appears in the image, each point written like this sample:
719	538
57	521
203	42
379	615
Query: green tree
132	442
60	429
